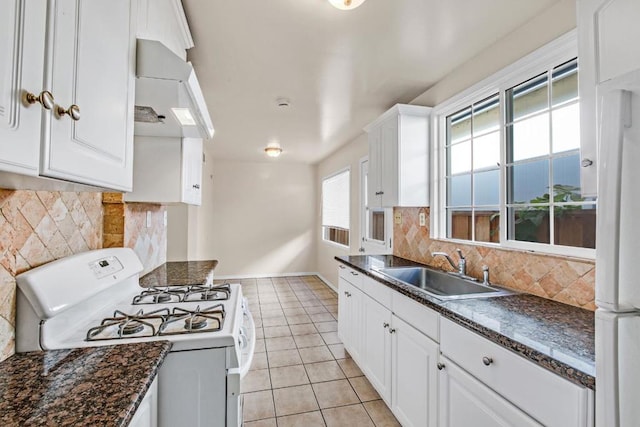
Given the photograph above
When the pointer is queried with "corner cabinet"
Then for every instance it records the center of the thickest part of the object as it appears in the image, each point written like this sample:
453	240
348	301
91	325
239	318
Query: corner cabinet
67	91
607	48
167	170
399	157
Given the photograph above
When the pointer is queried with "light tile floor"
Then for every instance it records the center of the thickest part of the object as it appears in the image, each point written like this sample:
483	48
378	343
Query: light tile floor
301	375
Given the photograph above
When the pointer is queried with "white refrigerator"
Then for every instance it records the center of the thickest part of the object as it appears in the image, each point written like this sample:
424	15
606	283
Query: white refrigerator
618	254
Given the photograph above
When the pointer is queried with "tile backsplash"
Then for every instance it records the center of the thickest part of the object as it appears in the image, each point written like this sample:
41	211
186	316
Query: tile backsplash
567	280
37	227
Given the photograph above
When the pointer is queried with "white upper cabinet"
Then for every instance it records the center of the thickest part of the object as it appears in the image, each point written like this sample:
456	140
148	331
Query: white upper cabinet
165	21
83	54
608	32
399	158
167	170
95	73
22	29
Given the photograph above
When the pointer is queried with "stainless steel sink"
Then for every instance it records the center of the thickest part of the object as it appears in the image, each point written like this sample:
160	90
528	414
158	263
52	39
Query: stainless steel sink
440	285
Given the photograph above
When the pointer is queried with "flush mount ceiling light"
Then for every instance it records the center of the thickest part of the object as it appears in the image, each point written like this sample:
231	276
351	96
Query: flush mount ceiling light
273	149
346	4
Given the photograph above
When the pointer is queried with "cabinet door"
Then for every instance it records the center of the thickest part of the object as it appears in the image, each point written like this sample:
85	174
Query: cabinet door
606	29
389	177
90	64
350	317
415	376
22	33
465	401
376	346
374	175
192	171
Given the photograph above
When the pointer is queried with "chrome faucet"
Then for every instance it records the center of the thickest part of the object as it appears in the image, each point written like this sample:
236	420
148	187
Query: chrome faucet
462	262
485	275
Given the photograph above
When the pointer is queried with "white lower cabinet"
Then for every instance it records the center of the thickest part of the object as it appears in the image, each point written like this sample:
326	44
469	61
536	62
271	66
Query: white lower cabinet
376	347
415	376
465	401
349	315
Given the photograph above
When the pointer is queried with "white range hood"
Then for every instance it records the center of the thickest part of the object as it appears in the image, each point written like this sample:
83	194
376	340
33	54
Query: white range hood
167	91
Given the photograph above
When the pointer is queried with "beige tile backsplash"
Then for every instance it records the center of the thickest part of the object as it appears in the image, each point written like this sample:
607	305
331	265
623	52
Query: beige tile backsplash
40	226
567	280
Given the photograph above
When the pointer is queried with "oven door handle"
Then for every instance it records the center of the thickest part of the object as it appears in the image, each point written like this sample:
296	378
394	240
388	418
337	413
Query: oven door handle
247	359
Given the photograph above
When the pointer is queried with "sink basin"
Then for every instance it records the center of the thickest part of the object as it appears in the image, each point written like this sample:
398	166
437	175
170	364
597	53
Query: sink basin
443	286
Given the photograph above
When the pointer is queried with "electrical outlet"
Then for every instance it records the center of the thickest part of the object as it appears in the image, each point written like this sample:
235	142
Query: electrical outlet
397	218
148	219
423	219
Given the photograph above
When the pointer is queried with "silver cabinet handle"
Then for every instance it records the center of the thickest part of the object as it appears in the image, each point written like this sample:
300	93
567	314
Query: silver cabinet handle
585	163
440	366
196	186
385	325
45	99
73	111
487	361
345	292
392	331
341	267
379	193
354	273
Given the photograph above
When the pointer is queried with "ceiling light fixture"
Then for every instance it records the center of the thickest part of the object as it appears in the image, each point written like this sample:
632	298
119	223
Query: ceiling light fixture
273	149
346	4
184	116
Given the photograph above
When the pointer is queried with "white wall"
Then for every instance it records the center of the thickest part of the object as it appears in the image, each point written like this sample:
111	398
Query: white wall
540	30
255	219
350	156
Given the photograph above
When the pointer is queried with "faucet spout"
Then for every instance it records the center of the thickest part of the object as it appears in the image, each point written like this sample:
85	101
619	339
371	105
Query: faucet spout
462	262
446	255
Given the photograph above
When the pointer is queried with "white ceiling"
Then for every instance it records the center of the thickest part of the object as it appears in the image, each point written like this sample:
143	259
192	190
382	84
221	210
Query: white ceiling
340	69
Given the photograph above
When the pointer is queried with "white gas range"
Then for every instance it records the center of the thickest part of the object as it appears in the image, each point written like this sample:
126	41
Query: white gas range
93	299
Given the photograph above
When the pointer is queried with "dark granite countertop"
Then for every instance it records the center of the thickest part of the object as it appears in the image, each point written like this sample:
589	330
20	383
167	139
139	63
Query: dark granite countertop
96	386
556	336
180	273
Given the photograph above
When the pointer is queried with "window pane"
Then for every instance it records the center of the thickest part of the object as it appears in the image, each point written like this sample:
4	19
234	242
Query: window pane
459	126
459	224
460	158
529	98
460	190
529	182
376	225
575	226
486	188
531	138
565	83
566	128
530	224
487	225
335	200
486	151
486	116
566	173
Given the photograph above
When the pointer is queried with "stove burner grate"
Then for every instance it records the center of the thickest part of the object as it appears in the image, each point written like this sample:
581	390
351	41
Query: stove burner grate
209	319
129	325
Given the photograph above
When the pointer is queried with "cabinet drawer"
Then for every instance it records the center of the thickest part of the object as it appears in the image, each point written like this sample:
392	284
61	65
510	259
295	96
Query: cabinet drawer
377	291
417	315
545	396
350	275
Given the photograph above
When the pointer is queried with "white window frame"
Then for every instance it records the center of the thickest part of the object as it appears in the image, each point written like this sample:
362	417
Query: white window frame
331	242
540	61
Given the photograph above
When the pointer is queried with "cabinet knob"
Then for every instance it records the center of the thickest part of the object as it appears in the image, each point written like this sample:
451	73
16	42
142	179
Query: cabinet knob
196	186
392	331
45	99
385	325
487	361
73	111
354	273
349	294
585	163
440	366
